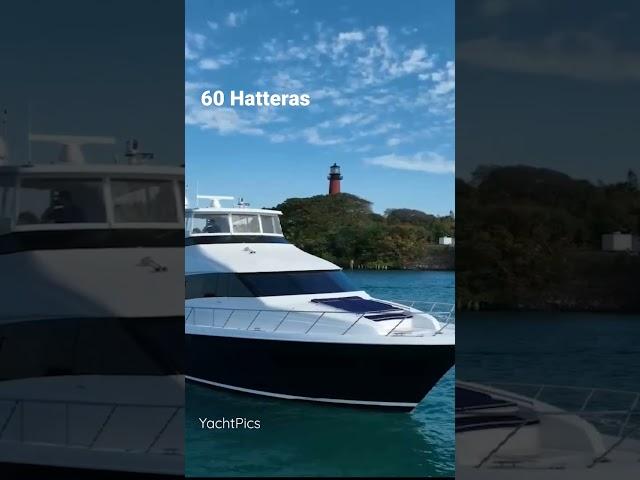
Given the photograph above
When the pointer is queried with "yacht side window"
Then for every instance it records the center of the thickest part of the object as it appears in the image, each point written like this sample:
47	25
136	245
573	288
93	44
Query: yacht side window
51	200
215	285
245	223
270	224
7	202
148	201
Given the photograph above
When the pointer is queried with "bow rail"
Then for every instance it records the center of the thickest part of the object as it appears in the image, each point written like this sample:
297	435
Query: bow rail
441	315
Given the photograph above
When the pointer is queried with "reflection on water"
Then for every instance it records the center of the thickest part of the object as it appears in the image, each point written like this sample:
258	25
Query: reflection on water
579	349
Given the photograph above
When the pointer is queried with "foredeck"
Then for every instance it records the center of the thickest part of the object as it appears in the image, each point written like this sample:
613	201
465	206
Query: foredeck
406	322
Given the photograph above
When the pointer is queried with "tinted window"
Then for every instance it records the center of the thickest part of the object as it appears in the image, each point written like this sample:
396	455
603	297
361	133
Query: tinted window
270	224
267	284
49	200
7	202
144	201
217	223
216	285
245	224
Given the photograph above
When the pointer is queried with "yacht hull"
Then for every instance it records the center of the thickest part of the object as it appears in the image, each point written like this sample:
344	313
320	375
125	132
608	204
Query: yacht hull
378	376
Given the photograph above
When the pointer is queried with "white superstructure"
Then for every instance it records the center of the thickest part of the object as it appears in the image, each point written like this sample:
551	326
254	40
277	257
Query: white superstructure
91	262
270	278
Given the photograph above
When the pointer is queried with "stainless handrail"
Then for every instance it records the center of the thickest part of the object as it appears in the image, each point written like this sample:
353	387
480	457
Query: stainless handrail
443	313
626	414
91	445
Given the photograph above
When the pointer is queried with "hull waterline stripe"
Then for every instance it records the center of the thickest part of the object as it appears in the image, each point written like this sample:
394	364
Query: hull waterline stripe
311	399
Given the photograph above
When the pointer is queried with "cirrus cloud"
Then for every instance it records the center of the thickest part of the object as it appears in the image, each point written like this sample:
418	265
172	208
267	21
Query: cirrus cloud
428	162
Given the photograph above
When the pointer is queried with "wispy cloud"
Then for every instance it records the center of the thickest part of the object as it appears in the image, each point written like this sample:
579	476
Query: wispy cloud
349	119
495	8
234	19
353	76
215	63
285	4
571	54
428	162
190	87
223	120
444	80
345	38
368	57
193	44
209	64
312	136
285	83
416	61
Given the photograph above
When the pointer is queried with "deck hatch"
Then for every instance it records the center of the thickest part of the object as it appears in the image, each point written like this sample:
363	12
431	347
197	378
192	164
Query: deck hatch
377	310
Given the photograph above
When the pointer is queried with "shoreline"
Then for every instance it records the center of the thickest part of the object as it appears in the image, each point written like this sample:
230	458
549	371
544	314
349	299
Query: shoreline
624	311
382	270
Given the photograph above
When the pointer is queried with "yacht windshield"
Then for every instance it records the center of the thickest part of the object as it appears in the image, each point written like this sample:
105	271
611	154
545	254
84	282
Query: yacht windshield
267	284
148	201
245	223
209	223
270	224
51	200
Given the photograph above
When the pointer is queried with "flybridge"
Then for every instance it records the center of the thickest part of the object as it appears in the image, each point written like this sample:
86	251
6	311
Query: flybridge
217	220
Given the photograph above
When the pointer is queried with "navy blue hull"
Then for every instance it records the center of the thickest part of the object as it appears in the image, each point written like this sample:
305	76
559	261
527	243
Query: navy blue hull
376	376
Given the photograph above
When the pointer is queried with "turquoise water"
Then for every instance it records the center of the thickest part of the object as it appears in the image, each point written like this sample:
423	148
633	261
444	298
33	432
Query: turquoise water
577	349
300	439
557	349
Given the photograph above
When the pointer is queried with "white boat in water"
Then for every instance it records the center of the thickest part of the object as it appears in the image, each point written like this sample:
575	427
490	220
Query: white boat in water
266	318
71	231
89	261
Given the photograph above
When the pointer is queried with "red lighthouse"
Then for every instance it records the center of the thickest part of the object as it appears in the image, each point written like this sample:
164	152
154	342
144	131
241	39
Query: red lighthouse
334	179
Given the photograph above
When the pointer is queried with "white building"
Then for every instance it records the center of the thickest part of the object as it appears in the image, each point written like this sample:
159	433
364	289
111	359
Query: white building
617	242
447	241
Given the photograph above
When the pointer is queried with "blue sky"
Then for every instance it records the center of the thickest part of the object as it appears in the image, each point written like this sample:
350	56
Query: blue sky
381	76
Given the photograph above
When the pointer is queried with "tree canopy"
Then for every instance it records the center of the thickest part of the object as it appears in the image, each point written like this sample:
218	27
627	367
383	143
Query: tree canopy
343	228
531	238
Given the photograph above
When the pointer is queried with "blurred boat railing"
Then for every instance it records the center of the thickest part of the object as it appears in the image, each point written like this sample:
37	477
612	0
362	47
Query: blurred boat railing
611	412
22	424
257	319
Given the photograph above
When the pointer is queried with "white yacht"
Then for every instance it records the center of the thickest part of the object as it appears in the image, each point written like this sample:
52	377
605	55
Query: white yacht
264	317
546	432
91	258
72	231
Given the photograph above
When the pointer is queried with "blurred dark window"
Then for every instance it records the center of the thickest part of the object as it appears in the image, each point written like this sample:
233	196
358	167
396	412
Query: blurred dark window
7	202
53	200
218	223
267	284
144	201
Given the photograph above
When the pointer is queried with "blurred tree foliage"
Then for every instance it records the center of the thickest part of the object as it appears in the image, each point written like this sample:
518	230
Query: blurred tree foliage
531	239
343	228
